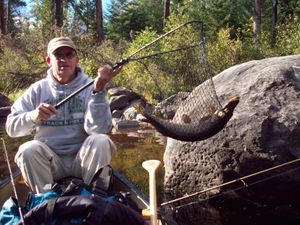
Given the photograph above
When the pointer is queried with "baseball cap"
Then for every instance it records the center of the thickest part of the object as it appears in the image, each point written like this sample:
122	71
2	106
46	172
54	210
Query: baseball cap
58	42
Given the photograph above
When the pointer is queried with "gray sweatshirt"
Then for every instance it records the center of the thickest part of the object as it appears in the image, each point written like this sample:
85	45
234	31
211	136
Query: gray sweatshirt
84	114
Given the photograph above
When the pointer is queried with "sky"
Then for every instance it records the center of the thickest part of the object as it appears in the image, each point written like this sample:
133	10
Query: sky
105	4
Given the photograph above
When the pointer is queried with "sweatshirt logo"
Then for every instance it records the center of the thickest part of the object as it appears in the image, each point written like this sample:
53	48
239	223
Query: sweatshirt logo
70	113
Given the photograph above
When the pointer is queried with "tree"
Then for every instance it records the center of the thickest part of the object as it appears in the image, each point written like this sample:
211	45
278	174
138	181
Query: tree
2	18
166	9
274	21
9	20
257	22
85	14
99	21
58	13
218	14
12	13
132	16
44	12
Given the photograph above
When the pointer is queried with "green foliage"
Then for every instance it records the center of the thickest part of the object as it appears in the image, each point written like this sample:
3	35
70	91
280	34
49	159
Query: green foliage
218	14
134	76
44	13
224	52
83	16
22	59
158	77
21	62
227	23
288	40
13	15
92	56
15	95
126	18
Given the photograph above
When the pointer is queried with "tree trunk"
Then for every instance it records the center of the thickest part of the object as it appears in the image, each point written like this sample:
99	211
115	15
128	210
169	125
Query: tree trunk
52	18
9	21
58	13
257	22
2	18
87	21
274	22
99	21
166	9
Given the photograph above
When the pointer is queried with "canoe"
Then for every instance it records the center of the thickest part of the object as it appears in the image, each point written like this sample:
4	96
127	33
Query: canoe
120	183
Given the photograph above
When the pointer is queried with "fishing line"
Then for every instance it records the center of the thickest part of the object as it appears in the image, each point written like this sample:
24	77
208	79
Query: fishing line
164	52
246	185
12	181
230	182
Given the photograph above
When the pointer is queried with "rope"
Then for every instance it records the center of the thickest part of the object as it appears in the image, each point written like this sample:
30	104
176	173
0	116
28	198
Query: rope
233	181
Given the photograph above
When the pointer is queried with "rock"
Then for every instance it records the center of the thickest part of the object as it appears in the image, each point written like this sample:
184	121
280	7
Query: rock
117	91
263	132
140	117
167	108
130	113
117	113
4	111
125	124
5	104
123	113
118	102
296	71
4	101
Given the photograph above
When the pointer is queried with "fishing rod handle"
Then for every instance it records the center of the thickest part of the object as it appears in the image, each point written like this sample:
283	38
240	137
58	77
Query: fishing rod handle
120	63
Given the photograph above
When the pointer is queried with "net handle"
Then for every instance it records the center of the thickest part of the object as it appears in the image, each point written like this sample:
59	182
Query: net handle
128	58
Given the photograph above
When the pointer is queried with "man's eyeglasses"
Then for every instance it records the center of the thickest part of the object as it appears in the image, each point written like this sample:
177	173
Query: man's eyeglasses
68	55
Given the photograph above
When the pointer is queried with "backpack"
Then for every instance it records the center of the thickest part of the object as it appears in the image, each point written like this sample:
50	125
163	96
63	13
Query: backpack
75	205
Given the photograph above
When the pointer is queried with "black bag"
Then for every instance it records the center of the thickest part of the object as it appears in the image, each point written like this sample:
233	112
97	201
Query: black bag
77	205
93	210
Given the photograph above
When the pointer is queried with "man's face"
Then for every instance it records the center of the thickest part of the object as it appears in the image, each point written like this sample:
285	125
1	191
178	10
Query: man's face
63	62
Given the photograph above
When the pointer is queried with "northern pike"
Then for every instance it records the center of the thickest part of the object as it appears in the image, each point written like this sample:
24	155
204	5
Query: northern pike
199	131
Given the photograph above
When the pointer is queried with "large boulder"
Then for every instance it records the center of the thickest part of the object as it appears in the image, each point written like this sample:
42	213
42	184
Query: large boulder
263	132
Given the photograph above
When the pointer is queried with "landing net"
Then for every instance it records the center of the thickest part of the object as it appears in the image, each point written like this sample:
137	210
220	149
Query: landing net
177	62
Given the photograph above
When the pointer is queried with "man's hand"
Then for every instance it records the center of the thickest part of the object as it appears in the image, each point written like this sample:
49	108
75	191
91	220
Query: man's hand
43	112
105	74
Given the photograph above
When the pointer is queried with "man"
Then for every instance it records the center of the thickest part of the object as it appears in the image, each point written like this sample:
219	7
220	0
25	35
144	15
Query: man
70	140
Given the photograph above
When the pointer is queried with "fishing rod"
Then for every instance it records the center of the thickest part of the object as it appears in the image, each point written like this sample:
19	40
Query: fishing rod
127	60
237	189
241	179
12	181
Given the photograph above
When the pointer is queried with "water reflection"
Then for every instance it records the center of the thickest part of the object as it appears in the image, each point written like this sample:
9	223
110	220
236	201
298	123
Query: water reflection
133	148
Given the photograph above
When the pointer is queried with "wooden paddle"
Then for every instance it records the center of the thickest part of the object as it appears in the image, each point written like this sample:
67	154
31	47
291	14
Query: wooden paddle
151	166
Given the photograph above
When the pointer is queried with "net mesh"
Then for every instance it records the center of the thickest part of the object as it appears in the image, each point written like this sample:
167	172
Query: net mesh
178	62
